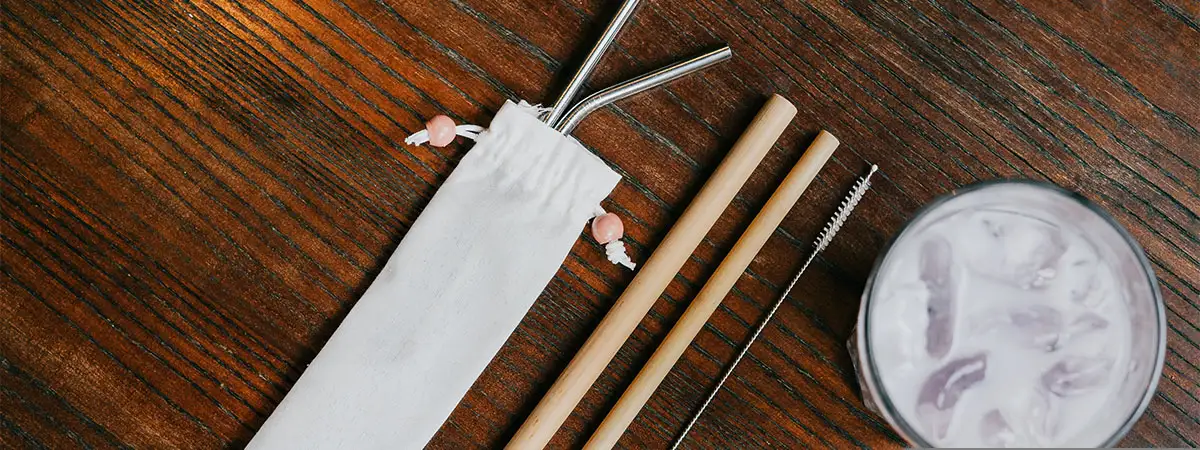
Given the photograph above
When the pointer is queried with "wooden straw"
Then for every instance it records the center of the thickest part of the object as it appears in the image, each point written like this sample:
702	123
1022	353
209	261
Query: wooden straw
654	276
713	292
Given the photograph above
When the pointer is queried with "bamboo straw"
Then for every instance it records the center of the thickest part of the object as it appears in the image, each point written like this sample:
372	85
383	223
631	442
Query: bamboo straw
715	290
654	276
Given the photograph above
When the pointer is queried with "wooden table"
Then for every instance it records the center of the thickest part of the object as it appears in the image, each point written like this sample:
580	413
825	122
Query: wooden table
195	194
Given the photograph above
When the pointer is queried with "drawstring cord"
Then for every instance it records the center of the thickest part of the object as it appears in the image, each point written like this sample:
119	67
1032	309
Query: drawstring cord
607	228
468	131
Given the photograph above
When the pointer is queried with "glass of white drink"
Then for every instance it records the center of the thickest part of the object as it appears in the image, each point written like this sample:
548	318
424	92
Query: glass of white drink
1011	314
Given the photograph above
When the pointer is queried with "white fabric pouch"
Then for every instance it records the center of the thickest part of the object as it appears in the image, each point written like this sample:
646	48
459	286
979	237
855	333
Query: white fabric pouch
460	281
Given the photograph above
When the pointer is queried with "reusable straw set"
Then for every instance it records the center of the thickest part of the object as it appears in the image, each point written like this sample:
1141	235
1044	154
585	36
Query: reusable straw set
485	247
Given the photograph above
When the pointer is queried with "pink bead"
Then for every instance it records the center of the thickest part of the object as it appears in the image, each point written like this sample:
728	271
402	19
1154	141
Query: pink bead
441	130
607	228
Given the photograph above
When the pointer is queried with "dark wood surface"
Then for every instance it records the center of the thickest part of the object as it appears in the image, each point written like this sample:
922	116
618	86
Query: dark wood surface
194	194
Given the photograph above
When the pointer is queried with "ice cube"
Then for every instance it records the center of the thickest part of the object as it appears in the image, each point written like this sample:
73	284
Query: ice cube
1087	287
1038	325
995	431
937	272
1088	321
1034	326
904	318
1084	278
1034	414
942	390
1074	375
1084	325
1014	248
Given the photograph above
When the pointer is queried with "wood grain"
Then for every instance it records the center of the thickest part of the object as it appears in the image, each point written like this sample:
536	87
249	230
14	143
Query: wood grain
195	193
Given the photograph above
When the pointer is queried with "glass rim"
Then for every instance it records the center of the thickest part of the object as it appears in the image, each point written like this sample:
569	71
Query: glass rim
871	377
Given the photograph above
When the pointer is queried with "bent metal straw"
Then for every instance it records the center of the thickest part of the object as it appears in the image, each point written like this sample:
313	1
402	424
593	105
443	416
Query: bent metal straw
637	85
590	61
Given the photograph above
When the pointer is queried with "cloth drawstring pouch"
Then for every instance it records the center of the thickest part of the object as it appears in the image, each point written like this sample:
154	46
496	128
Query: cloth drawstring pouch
462	278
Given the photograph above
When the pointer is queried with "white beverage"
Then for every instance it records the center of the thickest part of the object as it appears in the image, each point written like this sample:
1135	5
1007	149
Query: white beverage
997	326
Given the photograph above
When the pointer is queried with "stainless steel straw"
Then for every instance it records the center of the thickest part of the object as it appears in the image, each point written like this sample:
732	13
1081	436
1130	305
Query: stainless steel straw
831	229
634	86
590	62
